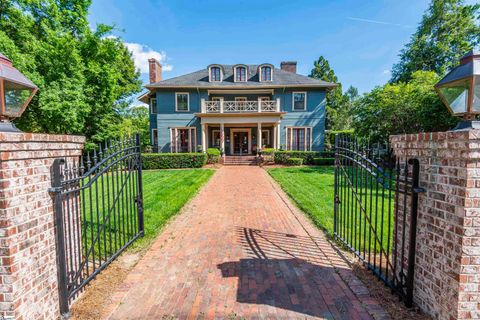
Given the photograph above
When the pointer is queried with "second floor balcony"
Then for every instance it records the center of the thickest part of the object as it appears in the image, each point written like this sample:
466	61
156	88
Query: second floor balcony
220	106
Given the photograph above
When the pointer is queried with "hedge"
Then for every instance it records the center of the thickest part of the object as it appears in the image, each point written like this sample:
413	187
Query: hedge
213	155
281	157
173	160
295	161
324	161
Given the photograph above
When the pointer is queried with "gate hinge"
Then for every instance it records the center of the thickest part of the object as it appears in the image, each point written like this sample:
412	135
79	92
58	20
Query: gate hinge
55	190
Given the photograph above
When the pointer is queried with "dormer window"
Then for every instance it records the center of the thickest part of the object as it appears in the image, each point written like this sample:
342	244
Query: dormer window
240	74
265	73
215	73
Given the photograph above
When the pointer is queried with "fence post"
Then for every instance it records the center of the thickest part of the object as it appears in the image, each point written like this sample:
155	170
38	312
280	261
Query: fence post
141	227
412	232
336	200
60	236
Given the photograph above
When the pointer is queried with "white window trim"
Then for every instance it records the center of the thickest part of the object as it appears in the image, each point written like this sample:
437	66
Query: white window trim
151	103
291	137
210	74
154	141
260	76
241	99
174	138
235	73
304	102
176	101
248	131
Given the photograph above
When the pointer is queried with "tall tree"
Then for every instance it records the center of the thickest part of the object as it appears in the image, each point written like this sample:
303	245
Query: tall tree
339	105
449	28
404	107
82	75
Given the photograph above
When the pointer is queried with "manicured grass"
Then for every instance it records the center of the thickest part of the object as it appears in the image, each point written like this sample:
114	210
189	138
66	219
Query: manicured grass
165	192
312	190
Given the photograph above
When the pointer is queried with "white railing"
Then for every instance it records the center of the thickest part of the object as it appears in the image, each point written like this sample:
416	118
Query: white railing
240	106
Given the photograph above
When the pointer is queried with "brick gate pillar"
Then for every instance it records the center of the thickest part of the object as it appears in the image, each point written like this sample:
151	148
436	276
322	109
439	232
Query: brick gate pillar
447	269
28	269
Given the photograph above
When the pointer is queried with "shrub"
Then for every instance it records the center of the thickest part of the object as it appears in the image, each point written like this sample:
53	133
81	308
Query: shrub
268	151
213	155
281	157
295	161
173	160
324	161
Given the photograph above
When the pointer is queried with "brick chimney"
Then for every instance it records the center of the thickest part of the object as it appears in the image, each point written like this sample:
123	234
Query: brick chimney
155	70
290	66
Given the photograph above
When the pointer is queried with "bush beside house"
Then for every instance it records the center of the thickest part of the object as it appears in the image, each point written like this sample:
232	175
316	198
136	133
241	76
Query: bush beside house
173	160
213	155
294	161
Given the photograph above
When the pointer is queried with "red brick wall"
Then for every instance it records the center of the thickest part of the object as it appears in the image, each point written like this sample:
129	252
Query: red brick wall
28	272
447	280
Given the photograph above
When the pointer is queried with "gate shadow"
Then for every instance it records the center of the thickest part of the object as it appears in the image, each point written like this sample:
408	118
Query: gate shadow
289	272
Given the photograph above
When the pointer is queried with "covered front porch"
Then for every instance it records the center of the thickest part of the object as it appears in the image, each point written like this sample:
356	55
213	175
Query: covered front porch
240	135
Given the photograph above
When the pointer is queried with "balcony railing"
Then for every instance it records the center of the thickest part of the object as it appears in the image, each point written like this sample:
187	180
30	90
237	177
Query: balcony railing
240	106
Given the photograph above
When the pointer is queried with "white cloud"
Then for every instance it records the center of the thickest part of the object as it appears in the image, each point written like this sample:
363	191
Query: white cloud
141	53
379	22
386	71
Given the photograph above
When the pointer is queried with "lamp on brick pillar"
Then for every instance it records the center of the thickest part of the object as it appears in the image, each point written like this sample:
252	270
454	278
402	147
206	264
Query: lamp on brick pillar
16	91
460	91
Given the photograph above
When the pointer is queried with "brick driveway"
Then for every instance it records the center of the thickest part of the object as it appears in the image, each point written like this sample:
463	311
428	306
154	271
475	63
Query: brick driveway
241	250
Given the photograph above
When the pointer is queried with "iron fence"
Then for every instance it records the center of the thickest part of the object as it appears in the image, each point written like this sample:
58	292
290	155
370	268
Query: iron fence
98	207
375	210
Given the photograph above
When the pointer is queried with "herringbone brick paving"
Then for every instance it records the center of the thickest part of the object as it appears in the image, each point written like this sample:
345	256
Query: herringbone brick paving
241	250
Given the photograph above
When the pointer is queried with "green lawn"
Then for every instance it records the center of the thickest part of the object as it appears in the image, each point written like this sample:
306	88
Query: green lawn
165	192
312	189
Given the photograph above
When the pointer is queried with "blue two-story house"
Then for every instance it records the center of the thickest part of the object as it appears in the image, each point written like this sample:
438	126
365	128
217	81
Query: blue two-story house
236	108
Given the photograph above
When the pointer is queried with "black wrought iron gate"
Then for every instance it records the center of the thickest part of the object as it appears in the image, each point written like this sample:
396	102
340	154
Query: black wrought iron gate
98	209
375	215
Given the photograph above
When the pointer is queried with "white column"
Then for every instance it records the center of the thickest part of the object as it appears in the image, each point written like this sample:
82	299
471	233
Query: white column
222	138
204	137
275	133
259	137
259	108
278	104
221	105
204	108
279	133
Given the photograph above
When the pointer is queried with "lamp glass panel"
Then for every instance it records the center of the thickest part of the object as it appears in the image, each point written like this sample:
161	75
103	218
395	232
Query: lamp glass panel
16	95
476	95
456	96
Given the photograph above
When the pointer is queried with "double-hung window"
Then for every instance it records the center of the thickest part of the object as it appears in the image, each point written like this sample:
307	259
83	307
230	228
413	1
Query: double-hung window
153	105
183	139
299	101
240	74
215	74
266	74
182	101
299	138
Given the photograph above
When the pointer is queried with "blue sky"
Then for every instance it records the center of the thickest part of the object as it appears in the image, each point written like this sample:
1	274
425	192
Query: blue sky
361	39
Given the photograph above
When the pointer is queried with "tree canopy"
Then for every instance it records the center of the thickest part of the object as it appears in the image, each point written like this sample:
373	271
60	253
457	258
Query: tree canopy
449	29
338	104
84	76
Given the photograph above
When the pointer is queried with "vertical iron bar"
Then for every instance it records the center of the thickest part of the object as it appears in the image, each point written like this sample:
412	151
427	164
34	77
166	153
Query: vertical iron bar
413	232
60	237
140	187
335	188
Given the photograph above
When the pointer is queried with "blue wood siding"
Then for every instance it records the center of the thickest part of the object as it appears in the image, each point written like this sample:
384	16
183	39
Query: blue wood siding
313	116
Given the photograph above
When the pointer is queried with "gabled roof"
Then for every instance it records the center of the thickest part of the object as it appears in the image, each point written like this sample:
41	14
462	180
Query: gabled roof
200	79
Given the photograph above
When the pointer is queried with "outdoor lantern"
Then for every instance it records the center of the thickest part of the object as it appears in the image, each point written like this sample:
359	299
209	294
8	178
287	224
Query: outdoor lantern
16	91
460	90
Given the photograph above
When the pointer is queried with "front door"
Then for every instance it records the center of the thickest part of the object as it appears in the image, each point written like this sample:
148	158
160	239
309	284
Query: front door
240	143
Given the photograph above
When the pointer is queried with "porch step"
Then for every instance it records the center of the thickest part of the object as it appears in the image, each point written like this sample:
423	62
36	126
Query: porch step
240	161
